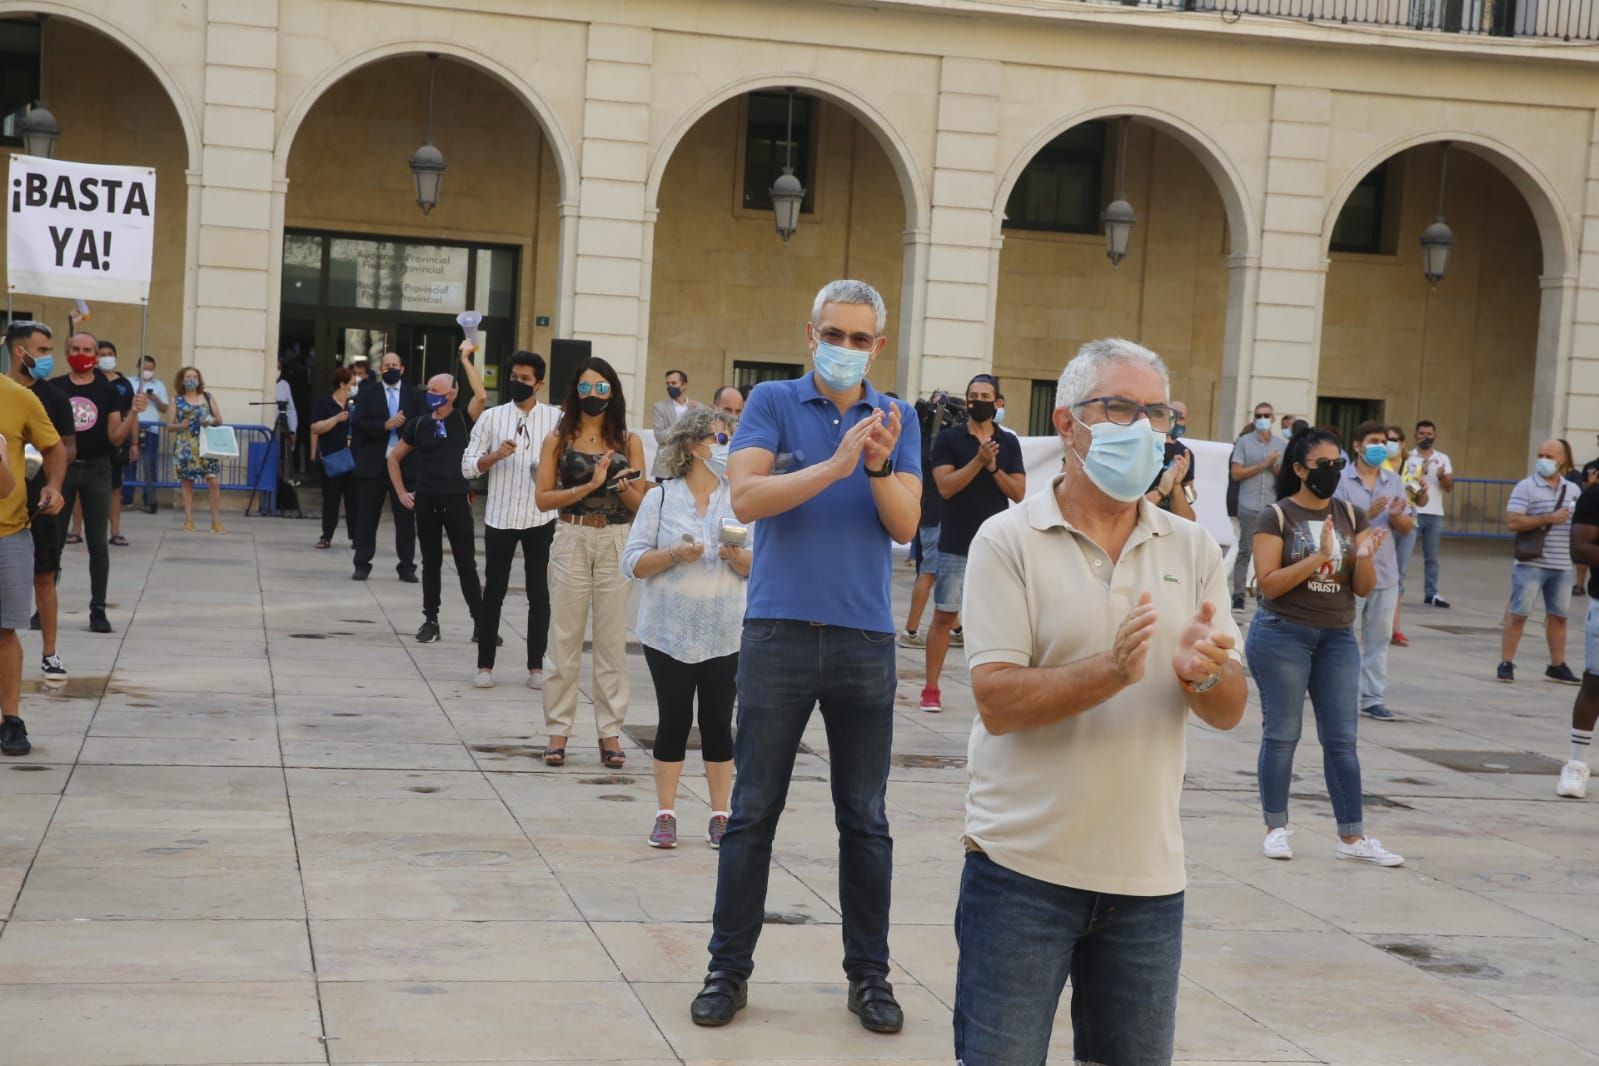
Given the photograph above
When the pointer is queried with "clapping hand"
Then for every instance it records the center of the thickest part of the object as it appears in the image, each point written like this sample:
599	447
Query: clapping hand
601	470
988	454
1131	648
884	437
1201	649
1396	506
848	454
1370	543
1379	504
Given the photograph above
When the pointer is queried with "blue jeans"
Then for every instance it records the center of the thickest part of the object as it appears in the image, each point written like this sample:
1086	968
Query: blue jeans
785	669
1020	939
1432	536
1288	660
1374	624
149	464
1403	547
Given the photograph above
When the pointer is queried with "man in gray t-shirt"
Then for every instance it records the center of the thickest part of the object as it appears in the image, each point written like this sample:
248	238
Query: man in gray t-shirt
1256	457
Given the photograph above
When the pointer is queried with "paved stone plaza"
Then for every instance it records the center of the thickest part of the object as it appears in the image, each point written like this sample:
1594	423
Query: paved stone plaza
262	825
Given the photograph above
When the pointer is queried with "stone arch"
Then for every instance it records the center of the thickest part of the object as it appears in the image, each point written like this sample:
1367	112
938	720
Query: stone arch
918	208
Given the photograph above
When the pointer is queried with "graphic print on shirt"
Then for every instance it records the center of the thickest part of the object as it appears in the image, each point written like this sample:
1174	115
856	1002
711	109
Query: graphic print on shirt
85	415
1307	540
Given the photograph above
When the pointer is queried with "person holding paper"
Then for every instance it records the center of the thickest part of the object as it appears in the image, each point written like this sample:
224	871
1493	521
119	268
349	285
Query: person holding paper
194	410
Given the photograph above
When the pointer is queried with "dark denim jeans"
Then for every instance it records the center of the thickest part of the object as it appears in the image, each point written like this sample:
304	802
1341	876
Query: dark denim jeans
1288	661
1431	527
785	669
1020	939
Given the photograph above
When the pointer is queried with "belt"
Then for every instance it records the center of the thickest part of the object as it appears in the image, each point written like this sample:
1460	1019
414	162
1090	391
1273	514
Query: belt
593	521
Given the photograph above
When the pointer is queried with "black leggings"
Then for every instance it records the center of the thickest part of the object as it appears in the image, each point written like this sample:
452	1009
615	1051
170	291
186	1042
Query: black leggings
675	685
337	491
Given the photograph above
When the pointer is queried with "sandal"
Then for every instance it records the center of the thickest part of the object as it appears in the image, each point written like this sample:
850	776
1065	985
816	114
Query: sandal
324	543
119	540
613	758
74	538
555	756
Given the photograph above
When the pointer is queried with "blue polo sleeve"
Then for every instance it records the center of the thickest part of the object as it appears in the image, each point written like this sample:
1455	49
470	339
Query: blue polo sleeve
758	426
908	457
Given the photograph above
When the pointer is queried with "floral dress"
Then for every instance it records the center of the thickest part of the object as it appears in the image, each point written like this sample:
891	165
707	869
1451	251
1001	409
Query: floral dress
191	467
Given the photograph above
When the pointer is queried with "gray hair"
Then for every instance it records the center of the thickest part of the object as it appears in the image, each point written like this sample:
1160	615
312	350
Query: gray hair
1083	374
686	432
846	291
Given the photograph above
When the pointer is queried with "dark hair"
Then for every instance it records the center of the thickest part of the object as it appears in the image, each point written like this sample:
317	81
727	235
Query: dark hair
1428	424
342	376
1370	426
22	330
1299	426
1258	406
1298	448
679	373
143	359
107	344
532	359
1565	446
1399	430
990	378
614	428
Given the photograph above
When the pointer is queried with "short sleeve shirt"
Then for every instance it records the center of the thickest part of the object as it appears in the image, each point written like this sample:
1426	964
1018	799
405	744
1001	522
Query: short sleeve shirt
982	497
1258	491
439	444
1354	490
1089	802
1425	467
1325	600
152	414
1535	496
1587	514
22	421
92	405
337	438
829	559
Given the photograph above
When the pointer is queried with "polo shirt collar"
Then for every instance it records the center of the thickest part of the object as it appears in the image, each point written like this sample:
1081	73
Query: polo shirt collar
1043	514
811	394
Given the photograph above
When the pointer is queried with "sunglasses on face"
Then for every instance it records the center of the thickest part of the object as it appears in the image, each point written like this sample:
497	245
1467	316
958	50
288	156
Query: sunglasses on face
597	388
1327	464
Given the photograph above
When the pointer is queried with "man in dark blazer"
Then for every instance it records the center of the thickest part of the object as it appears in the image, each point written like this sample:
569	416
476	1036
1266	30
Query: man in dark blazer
382	407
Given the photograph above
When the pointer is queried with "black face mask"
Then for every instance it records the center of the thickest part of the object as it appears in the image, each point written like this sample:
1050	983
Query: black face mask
392	376
519	391
1424	443
1323	482
980	410
594	405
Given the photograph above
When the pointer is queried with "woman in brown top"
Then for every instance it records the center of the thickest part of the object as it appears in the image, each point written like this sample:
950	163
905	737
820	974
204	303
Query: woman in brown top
1313	556
589	471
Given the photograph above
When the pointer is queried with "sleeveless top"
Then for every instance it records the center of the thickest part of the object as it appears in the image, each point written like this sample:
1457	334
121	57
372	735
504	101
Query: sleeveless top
576	469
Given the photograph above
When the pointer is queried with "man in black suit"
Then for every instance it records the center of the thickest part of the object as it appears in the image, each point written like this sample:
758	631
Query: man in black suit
381	410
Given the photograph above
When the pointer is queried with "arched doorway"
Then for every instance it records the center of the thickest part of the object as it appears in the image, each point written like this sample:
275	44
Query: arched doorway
1474	350
1172	292
114	108
364	271
728	297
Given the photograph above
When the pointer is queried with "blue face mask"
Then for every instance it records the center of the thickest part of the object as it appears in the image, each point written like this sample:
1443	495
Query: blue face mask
1262	425
718	460
42	366
1375	454
1177	430
999	414
1123	460
840	368
435	401
1545	467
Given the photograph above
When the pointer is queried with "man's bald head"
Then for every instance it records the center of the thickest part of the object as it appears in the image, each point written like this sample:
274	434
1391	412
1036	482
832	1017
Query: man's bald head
443	384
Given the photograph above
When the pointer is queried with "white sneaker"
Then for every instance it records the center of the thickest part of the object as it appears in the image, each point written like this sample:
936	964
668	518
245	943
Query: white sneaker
1276	845
1573	780
1369	849
535	680
484	679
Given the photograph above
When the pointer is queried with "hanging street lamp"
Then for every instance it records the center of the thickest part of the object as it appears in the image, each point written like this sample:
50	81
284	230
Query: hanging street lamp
787	193
1119	218
427	162
38	127
1437	240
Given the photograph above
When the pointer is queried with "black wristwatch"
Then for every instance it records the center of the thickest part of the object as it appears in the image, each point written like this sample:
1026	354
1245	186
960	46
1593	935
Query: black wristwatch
888	468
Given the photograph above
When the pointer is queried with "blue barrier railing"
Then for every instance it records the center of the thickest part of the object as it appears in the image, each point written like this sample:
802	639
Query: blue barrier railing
255	468
1476	508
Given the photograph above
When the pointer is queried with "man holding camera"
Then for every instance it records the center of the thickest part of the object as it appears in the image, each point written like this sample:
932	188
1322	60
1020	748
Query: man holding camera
505	446
979	472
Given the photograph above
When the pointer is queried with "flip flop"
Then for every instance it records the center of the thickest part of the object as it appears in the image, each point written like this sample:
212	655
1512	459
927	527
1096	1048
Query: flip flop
119	540
73	538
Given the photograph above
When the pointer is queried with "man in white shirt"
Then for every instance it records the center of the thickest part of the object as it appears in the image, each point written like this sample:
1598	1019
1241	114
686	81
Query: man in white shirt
1432	467
505	445
664	416
1098	624
150	420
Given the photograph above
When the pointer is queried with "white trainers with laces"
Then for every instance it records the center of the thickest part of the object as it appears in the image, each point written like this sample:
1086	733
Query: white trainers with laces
535	680
1573	780
1369	849
1276	845
484	679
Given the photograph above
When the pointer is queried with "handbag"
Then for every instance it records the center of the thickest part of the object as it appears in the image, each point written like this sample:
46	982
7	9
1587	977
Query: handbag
339	463
218	442
1529	543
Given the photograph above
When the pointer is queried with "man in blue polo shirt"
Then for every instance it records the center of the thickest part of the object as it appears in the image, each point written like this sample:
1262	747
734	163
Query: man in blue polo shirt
831	469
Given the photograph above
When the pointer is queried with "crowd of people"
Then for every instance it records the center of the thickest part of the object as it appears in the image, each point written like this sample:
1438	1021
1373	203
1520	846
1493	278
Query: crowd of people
759	542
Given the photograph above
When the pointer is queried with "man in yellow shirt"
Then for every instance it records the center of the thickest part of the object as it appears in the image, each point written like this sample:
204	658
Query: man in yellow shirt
22	421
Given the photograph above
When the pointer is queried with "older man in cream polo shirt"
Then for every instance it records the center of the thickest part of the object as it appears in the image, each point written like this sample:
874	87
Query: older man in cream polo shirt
1095	623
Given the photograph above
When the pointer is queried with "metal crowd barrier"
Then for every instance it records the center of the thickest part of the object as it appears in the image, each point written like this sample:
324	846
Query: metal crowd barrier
1476	508
255	468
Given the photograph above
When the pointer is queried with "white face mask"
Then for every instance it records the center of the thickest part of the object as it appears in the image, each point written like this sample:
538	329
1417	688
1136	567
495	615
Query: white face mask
107	363
148	375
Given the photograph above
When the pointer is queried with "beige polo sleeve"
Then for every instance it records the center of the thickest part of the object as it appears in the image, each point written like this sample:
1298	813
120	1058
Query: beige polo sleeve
994	612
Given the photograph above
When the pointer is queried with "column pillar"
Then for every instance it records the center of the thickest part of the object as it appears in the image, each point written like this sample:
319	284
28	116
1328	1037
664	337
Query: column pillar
1551	377
1580	395
608	277
233	333
958	308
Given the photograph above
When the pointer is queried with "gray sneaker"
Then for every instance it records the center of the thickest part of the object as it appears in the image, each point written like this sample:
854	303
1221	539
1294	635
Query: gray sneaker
665	832
715	831
909	639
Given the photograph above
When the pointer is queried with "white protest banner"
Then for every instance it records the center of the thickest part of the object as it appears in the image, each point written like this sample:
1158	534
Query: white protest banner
79	230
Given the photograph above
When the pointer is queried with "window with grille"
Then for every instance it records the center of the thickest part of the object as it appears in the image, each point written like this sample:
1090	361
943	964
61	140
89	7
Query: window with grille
1060	190
766	145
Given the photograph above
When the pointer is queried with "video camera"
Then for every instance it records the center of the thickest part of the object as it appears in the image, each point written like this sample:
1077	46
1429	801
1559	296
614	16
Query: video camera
935	414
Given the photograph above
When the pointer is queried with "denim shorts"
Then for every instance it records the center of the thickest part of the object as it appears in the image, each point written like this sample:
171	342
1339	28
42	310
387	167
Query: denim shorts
1526	580
925	548
1590	647
16	580
951	582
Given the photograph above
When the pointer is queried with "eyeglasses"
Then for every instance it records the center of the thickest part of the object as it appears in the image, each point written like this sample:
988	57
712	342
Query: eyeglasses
717	438
598	388
861	342
1328	464
1124	412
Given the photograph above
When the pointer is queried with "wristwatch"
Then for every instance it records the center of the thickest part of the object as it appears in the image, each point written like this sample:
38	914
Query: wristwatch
1204	686
888	468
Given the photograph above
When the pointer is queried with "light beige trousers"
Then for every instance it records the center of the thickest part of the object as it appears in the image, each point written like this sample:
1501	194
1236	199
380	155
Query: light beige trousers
585	573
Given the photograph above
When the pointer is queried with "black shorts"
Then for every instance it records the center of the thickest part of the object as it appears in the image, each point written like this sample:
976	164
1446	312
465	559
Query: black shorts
119	461
46	543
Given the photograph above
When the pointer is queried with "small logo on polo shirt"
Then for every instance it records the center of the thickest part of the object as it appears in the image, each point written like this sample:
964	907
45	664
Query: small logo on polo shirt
1173	578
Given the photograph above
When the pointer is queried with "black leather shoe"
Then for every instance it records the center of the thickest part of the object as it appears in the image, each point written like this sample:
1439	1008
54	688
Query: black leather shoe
871	998
13	736
408	576
361	573
98	622
429	633
723	996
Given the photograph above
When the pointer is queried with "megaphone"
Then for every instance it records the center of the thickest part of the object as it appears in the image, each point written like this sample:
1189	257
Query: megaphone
469	322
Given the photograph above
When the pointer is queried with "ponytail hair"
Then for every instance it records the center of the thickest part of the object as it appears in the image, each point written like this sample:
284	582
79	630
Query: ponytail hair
1287	480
